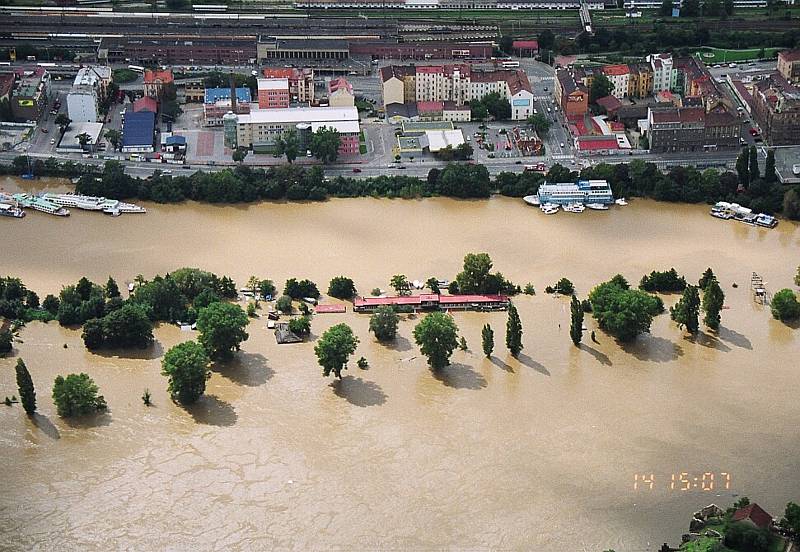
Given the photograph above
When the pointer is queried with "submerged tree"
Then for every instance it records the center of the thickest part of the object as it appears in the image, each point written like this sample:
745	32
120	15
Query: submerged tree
576	321
186	366
222	328
513	331
76	395
487	340
687	310
383	323
334	349
27	394
437	337
713	299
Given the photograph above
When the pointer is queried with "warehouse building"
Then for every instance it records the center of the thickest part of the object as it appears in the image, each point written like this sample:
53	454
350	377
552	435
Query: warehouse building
138	132
260	129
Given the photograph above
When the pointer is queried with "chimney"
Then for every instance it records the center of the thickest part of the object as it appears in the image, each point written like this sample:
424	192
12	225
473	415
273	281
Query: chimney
233	93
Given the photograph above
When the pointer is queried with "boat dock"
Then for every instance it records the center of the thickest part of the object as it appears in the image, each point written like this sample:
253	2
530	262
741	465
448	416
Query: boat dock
727	211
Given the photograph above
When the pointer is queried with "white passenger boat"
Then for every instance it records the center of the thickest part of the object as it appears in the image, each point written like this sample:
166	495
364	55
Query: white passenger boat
92	203
574	208
7	210
597	206
40	204
532	200
766	221
549	208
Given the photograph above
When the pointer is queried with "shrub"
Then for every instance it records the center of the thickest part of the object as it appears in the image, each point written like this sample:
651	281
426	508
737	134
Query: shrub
284	304
667	281
300	289
300	326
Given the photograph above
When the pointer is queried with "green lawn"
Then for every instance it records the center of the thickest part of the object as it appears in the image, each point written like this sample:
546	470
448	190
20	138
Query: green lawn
718	55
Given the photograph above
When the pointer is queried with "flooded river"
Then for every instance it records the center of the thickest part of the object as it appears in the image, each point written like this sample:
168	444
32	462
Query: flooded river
535	454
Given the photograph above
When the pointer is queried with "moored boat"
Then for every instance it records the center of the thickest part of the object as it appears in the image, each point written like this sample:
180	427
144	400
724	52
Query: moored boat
767	221
574	208
597	206
7	210
621	201
40	204
532	200
549	208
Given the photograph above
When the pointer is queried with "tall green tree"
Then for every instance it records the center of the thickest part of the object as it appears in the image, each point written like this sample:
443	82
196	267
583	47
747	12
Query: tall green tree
222	328
665	9
114	138
186	366
601	87
621	311
791	518
513	331
728	6
325	144
477	267
706	278
342	287
743	168
63	121
27	394
576	321
239	155
112	289
334	349
400	284
487	340
76	395
769	167
383	323
752	164
713	299
539	123
6	341
288	145
437	337
687	310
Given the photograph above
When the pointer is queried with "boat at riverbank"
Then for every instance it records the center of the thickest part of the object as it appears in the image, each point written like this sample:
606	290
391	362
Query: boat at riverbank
93	203
574	208
549	208
727	211
532	200
597	206
40	204
7	210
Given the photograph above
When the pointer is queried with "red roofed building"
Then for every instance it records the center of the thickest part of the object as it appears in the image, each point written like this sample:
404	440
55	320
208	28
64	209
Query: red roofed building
754	515
596	143
571	96
301	81
789	65
610	103
430	111
432	301
154	82
525	48
145	103
619	75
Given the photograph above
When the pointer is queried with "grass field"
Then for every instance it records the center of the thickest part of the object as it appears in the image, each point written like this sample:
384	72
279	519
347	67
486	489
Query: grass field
718	55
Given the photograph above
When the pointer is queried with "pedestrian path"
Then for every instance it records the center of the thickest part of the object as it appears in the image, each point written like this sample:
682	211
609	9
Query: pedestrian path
562	156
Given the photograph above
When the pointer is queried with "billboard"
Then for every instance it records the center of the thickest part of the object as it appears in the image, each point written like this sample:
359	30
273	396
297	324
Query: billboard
521	103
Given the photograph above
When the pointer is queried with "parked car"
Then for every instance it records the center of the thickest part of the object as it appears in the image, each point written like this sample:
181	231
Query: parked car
45	130
356	170
52	141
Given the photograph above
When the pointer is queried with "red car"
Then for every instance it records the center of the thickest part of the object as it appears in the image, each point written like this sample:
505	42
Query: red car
753	132
356	170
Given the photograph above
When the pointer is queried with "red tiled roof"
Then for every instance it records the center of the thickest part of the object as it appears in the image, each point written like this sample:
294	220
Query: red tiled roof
616	69
429	297
790	55
338	83
279	72
164	76
678	115
430	107
145	103
611	103
525	45
429	69
594	143
754	513
321	309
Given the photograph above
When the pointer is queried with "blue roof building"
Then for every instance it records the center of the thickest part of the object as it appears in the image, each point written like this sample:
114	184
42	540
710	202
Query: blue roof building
138	132
213	95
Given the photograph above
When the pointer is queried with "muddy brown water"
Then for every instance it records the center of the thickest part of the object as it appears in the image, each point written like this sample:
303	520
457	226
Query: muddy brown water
538	453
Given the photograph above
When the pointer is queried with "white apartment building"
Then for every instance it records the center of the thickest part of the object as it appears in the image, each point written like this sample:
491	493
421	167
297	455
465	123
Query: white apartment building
88	89
664	74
